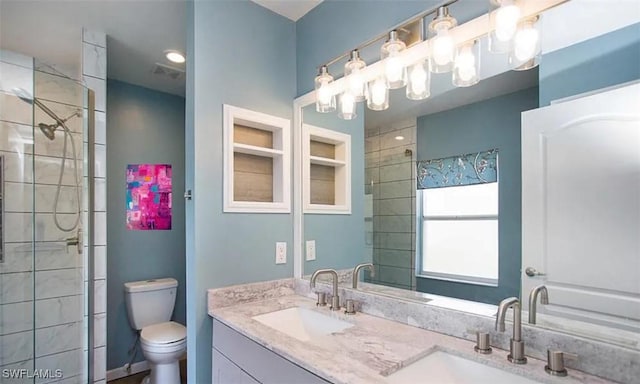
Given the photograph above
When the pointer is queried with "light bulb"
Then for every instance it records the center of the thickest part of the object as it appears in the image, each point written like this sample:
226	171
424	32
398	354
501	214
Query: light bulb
507	21
442	47
378	92
324	94
356	83
525	43
466	64
418	79
393	69
347	106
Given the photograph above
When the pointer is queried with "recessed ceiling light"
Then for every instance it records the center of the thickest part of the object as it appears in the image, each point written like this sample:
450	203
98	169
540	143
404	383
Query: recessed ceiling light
174	56
399	138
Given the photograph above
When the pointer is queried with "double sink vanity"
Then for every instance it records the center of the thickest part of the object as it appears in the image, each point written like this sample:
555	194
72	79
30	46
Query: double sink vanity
275	332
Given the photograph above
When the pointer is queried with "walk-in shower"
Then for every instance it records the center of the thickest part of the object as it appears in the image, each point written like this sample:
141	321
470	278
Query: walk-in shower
47	199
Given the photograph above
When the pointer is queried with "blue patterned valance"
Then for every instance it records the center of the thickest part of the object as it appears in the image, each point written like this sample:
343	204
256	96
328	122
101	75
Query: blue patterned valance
472	168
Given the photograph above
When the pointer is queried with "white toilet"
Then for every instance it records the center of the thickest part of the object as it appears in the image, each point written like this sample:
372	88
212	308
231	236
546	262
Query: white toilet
150	305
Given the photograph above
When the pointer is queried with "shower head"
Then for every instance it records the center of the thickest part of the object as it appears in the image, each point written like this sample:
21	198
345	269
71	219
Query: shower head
49	130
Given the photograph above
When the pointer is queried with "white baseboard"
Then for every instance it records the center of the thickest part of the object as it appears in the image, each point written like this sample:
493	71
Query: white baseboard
120	372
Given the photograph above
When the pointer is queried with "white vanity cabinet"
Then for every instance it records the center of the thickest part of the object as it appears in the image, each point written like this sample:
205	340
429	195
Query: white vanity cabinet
240	360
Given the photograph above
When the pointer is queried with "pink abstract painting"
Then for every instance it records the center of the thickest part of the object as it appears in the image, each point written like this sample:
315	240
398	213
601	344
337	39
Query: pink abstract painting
149	196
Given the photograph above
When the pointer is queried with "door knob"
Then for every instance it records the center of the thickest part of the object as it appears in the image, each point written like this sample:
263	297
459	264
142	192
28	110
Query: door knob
531	272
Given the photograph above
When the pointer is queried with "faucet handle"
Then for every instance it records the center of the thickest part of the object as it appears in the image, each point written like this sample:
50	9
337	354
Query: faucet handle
555	362
322	299
483	345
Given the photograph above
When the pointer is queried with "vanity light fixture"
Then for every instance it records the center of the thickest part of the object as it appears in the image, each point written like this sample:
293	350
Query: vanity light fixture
408	58
503	23
174	56
353	72
325	99
526	45
442	44
466	69
395	71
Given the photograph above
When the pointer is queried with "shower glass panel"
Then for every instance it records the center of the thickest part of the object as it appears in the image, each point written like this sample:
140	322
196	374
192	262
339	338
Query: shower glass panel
43	288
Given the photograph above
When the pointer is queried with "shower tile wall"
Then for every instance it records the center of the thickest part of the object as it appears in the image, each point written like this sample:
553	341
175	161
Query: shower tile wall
41	322
94	71
391	188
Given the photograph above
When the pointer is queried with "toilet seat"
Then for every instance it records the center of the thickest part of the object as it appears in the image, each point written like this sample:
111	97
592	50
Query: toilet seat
164	337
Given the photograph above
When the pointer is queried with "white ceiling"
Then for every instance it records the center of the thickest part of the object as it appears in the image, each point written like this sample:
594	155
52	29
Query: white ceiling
291	9
139	31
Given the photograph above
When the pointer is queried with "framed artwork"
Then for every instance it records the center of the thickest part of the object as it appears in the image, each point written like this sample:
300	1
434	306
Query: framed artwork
149	197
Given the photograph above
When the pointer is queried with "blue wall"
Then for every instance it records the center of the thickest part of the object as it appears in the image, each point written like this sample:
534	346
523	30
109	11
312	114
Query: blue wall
600	62
144	126
243	55
493	123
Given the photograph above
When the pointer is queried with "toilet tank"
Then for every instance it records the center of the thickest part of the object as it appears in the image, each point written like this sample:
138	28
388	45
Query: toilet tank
150	301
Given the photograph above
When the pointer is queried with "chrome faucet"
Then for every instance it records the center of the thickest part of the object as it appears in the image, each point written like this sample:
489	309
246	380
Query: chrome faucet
516	347
533	299
356	271
335	300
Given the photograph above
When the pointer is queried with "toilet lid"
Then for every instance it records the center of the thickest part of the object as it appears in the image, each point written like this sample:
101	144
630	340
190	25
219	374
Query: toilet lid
164	333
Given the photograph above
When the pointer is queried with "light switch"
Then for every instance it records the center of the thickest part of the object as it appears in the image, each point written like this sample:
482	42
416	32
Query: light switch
311	250
281	253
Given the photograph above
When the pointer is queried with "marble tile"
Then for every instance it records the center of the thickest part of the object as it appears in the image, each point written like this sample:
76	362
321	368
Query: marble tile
16	58
397	206
394	258
59	310
94	37
16	287
99	363
17	257
399	124
388	140
16	347
398	155
396	172
100	262
222	297
372	144
400	241
395	275
100	330
75	123
398	223
19	228
100	229
100	202
70	71
18	167
16	317
25	364
395	189
56	255
101	161
59	89
56	148
372	159
60	338
15	137
46	229
14	109
100	296
18	197
58	283
101	128
371	176
67	201
14	77
94	61
47	171
69	363
100	88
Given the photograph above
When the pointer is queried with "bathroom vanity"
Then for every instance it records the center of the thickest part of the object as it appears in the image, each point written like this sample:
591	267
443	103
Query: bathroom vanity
273	332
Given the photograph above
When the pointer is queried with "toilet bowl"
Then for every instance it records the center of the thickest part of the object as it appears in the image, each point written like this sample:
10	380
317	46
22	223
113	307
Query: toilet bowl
162	346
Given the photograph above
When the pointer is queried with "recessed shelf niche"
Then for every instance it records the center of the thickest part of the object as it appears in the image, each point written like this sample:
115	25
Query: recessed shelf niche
257	166
327	170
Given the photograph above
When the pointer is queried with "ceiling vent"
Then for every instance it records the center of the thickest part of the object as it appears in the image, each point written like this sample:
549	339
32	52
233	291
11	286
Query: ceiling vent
168	71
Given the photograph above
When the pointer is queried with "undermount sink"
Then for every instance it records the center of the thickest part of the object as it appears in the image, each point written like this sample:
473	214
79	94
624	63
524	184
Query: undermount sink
444	368
302	323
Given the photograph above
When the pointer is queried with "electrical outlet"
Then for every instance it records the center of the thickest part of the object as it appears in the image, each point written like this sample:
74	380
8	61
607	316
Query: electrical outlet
311	250
281	253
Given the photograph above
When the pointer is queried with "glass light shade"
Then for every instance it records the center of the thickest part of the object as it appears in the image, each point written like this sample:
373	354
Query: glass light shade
442	46
347	106
466	70
378	95
325	99
526	50
394	69
503	23
419	81
356	84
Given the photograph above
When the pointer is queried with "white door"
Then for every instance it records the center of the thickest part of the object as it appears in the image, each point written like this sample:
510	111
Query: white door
581	206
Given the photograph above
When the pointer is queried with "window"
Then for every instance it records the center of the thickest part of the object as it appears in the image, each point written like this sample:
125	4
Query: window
459	226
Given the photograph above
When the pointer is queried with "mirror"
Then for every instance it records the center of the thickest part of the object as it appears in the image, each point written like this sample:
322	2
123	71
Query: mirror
386	219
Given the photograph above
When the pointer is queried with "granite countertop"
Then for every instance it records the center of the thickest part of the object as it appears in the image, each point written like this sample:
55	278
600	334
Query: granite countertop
370	350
